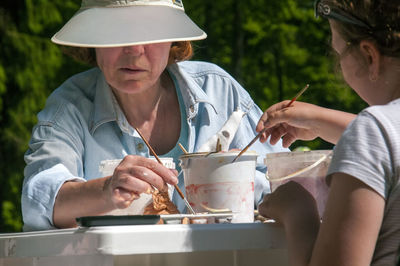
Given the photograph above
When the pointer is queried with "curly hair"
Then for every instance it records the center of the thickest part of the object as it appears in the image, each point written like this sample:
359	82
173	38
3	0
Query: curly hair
180	51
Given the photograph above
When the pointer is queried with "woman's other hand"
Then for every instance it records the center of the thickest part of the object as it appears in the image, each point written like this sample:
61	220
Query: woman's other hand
136	175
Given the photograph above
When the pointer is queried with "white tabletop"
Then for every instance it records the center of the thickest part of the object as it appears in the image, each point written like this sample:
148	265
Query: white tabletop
150	240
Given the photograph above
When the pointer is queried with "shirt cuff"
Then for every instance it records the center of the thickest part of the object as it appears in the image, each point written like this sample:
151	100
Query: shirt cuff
39	193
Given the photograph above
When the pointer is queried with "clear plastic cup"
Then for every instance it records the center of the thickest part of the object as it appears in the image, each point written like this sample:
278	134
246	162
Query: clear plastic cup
308	168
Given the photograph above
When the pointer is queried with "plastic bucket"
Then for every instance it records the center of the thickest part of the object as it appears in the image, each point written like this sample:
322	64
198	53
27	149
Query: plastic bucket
307	168
107	167
213	182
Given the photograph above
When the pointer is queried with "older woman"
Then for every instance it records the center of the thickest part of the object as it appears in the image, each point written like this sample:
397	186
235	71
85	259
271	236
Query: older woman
141	84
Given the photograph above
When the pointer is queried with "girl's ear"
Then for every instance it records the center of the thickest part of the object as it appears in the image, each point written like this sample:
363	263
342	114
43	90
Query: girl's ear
373	58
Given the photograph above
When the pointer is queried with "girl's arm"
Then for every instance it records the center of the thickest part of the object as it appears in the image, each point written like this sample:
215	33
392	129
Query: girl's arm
302	121
349	228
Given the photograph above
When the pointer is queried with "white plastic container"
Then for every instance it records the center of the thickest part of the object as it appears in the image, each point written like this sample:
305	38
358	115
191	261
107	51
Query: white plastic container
212	181
307	168
107	167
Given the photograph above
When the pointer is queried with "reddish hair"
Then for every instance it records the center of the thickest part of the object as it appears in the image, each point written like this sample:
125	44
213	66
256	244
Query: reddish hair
180	51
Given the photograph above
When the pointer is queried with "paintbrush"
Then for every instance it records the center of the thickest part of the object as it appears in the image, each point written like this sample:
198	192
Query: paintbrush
158	160
183	148
262	131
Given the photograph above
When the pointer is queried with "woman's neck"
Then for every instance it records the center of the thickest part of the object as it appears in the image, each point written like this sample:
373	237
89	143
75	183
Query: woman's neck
141	107
156	113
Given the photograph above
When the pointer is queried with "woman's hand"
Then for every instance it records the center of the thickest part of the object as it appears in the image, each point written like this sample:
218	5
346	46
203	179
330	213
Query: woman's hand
302	121
133	176
136	175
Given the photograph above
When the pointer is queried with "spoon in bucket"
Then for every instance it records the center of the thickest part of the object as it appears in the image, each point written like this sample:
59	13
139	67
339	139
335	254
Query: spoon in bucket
158	160
262	131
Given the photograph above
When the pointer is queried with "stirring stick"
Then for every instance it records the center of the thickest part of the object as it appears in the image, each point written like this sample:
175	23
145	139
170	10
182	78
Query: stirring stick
262	131
298	95
158	160
183	148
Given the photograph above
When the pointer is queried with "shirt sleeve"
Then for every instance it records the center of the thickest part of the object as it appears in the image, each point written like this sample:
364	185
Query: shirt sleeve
53	158
363	152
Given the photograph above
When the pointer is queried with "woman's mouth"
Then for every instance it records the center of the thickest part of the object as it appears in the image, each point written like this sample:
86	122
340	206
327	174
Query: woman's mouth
131	70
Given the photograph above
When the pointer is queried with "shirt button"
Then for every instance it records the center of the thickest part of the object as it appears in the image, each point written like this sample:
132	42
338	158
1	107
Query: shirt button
192	108
140	146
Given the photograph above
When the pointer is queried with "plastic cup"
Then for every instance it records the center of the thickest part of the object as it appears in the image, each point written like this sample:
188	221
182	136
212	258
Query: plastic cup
213	182
137	207
308	168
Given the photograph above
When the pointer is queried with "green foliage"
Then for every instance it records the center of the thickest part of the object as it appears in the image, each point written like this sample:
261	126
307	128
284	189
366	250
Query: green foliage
2	84
273	48
30	68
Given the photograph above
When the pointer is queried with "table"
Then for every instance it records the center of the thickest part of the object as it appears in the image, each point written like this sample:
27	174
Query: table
170	244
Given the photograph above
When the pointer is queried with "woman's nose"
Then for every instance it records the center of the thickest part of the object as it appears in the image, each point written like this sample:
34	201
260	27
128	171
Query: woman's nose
134	50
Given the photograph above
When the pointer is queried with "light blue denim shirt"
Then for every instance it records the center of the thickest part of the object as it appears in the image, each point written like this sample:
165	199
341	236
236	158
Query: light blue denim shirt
81	126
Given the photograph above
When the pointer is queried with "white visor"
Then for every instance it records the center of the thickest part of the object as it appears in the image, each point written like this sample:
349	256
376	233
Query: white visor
125	25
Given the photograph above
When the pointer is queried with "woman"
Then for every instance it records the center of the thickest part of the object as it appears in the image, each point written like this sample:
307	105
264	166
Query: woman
361	223
138	84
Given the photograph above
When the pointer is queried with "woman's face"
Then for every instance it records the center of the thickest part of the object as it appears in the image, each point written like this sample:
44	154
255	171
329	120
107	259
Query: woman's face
133	69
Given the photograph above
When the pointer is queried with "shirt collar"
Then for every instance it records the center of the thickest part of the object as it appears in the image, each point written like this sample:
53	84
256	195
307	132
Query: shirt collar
104	110
121	118
192	93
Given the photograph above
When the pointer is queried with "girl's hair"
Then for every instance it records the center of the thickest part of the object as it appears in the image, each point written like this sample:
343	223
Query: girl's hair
382	17
180	51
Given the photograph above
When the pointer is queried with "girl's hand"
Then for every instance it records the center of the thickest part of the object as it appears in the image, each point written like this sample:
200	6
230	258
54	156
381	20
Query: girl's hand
289	203
298	121
302	121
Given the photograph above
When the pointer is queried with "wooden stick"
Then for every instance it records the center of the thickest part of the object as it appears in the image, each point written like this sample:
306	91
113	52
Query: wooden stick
158	160
148	146
183	148
298	95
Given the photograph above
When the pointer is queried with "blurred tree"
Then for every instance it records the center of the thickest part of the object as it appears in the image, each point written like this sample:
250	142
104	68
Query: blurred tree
30	68
273	48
